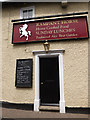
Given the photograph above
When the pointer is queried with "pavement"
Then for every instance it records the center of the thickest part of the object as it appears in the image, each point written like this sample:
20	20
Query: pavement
17	113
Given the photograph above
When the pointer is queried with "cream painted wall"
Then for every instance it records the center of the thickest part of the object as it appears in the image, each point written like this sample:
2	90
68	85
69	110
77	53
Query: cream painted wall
89	57
75	58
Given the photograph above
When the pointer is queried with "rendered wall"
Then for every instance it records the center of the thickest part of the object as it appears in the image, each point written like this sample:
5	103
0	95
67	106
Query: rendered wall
75	58
89	57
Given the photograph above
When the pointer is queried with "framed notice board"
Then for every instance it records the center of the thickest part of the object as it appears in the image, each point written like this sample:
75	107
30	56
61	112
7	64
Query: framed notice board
24	73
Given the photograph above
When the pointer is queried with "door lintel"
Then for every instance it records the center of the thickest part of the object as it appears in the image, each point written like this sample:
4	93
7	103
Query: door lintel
49	52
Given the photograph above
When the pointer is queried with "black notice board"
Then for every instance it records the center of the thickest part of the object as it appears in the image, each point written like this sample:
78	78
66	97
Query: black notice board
23	73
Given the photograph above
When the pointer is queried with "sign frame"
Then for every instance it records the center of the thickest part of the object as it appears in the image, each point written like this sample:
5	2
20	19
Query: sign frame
24	85
52	40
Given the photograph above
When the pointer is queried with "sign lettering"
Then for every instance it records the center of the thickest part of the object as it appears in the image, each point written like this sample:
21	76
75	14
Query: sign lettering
57	29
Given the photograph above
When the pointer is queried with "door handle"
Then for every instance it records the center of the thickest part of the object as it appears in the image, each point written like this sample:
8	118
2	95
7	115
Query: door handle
41	83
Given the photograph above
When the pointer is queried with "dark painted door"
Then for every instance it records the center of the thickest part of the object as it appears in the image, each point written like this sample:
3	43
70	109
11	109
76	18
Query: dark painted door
49	81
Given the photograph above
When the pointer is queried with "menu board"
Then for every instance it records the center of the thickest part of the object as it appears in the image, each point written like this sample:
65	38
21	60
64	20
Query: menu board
23	73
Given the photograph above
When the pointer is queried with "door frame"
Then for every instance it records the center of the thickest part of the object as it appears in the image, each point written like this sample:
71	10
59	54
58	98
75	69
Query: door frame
51	53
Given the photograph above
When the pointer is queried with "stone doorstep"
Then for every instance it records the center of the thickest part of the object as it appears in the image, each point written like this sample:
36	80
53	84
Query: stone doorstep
49	108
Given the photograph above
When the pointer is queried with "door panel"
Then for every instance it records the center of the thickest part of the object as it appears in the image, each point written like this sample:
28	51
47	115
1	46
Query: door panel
49	80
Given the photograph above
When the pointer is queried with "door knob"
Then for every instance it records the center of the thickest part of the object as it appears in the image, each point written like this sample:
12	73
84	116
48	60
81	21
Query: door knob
41	83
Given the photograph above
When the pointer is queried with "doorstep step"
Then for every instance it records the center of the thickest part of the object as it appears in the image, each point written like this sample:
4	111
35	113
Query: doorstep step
48	108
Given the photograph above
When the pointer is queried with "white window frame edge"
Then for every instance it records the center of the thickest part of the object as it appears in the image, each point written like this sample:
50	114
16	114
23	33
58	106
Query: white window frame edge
27	8
39	54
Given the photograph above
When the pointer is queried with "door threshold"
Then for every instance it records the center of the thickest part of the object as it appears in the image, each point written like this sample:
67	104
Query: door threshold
52	108
47	104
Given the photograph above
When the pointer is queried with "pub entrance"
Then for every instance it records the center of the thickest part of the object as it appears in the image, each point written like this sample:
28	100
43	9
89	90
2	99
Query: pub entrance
49	81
